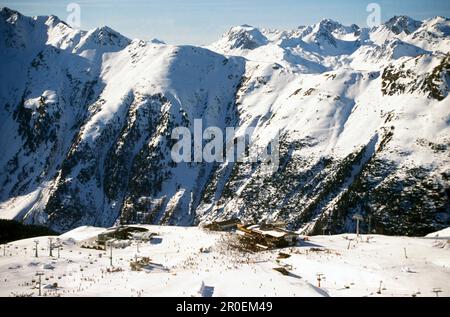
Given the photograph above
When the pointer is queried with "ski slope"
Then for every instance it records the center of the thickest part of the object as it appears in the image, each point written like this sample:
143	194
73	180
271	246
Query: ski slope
189	261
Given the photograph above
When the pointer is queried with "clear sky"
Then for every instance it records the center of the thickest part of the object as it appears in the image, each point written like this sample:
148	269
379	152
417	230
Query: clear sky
203	21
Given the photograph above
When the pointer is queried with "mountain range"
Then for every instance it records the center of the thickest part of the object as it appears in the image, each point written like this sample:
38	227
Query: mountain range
363	114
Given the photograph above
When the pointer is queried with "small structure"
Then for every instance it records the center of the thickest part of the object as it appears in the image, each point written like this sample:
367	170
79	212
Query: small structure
119	233
358	219
283	255
270	235
282	270
226	225
145	263
143	236
39	275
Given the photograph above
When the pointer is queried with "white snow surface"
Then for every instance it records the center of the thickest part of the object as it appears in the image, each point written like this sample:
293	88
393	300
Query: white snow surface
445	233
350	267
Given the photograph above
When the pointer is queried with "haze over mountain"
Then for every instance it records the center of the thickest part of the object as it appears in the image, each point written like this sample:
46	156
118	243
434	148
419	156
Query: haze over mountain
87	116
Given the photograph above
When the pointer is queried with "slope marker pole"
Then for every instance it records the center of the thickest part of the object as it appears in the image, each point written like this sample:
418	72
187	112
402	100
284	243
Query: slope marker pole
50	244
36	243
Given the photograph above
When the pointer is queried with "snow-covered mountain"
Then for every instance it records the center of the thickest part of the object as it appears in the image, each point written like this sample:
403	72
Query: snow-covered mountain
364	116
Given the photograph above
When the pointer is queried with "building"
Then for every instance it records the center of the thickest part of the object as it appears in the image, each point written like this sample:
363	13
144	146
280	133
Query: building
120	233
270	235
143	236
226	225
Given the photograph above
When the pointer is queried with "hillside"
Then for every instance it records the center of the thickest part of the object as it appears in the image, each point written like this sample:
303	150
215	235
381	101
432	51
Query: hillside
363	116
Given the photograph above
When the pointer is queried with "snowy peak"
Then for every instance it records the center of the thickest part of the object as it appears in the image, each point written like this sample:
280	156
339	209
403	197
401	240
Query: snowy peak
7	13
402	24
322	33
440	24
430	35
157	42
397	49
377	56
53	20
103	37
329	44
21	32
243	37
336	29
329	24
327	29
434	35
12	16
331	38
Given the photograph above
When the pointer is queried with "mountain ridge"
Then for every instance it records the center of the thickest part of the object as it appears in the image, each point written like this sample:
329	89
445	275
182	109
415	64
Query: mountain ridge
361	114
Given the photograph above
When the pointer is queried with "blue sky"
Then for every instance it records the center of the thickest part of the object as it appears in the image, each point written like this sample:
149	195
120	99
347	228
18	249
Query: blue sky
203	21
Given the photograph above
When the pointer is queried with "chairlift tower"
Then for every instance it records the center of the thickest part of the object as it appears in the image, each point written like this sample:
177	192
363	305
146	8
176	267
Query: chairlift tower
380	288
358	218
320	277
58	241
437	291
39	274
110	242
370	224
138	242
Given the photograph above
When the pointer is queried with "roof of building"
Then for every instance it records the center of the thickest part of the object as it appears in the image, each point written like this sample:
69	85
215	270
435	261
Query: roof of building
272	232
228	222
